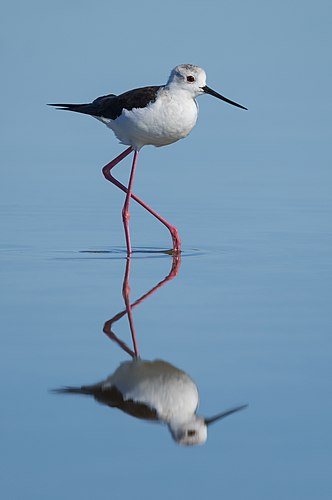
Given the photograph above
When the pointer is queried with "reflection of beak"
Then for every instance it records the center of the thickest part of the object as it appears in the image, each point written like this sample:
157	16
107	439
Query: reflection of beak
207	90
224	414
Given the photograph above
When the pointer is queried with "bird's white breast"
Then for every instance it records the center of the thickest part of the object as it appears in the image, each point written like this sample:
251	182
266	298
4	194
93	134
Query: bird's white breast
166	120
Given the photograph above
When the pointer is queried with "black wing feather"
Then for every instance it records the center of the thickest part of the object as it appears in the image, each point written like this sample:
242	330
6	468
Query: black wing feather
111	105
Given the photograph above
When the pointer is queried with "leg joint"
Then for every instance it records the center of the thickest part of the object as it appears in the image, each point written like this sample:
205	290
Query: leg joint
125	215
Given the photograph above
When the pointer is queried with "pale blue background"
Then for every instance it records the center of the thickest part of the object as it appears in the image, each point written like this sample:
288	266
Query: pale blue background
248	317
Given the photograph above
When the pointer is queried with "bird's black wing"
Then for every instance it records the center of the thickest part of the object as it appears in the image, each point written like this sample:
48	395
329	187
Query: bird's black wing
111	105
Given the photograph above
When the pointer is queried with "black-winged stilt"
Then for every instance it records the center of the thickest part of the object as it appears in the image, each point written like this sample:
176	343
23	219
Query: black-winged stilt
155	115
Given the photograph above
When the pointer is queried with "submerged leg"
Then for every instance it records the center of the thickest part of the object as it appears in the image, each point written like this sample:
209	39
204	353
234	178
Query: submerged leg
107	174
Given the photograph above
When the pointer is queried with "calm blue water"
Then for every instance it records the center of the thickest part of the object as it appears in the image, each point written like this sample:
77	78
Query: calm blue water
248	316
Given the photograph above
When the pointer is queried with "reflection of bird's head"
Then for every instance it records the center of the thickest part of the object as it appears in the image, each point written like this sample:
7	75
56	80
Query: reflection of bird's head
194	430
190	432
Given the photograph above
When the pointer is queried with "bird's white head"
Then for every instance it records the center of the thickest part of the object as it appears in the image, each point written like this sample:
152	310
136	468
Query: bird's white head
189	78
190	432
192	79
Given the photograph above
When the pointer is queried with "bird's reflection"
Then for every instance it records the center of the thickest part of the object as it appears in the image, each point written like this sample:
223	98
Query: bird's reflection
151	390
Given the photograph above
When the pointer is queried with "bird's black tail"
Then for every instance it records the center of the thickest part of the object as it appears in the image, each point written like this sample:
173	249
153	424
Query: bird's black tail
87	109
72	390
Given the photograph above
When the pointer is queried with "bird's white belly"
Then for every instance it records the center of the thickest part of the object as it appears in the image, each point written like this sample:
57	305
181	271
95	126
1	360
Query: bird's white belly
162	122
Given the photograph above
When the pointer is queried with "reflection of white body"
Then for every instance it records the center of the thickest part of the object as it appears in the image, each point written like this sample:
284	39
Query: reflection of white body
170	392
161	386
154	390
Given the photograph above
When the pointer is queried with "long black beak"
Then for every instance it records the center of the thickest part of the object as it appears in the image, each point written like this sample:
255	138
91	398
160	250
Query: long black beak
224	414
207	90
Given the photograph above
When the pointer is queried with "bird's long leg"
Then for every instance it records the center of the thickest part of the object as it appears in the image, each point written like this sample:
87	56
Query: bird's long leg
117	160
125	210
107	174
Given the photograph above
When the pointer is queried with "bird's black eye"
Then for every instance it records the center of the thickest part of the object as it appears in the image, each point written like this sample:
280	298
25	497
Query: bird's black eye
190	78
191	433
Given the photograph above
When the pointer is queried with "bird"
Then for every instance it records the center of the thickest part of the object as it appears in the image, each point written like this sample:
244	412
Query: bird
154	115
155	391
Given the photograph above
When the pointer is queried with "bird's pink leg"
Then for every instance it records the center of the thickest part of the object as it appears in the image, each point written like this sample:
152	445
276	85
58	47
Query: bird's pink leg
117	160
125	210
107	174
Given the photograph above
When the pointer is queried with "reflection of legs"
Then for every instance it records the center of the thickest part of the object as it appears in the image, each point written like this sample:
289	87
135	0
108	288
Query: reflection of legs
176	261
111	335
126	296
107	173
